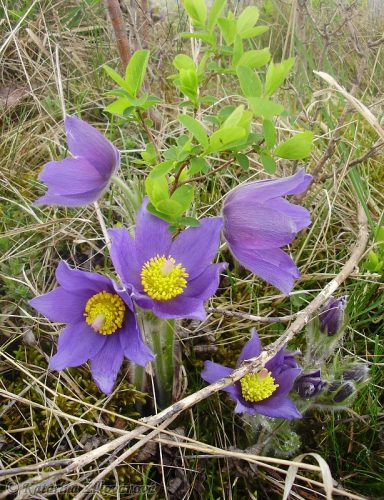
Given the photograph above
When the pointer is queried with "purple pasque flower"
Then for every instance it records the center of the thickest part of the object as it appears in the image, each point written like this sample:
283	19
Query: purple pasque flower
101	324
310	384
173	278
83	178
332	314
263	392
258	222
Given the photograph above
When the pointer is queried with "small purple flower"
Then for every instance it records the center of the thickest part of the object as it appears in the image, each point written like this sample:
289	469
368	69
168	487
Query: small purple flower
264	392
258	221
83	178
310	384
101	324
172	278
332	316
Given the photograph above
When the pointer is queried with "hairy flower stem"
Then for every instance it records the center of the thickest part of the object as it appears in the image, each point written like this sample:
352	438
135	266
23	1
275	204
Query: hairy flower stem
160	333
103	227
131	200
162	345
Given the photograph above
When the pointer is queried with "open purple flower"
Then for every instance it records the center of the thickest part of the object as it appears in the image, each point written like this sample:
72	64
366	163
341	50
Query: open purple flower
101	324
263	392
172	278
258	222
82	179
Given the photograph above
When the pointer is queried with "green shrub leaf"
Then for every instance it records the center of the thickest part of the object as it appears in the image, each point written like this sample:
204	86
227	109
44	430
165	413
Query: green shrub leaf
296	148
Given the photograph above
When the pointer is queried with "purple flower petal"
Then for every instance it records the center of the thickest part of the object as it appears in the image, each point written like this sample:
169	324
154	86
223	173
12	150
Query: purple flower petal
290	358
196	247
286	380
256	226
300	215
152	236
106	364
71	201
123	256
87	142
206	284
276	364
71	176
273	265
125	294
132	343
213	372
61	306
180	307
277	407
77	343
143	300
251	349
75	280
271	188
244	407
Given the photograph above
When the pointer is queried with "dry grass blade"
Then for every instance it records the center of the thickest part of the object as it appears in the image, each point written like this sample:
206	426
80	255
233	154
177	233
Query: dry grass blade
358	105
325	472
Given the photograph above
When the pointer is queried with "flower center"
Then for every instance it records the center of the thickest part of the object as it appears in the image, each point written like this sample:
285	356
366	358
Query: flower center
258	386
104	312
162	278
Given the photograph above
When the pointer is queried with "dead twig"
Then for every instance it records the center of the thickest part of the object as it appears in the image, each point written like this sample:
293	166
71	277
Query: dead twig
252	317
369	154
376	43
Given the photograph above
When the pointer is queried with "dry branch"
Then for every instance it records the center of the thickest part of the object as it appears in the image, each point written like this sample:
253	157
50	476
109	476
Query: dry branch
122	42
252	317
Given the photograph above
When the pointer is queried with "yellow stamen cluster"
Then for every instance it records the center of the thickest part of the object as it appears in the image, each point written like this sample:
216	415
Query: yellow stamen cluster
257	386
162	278
104	312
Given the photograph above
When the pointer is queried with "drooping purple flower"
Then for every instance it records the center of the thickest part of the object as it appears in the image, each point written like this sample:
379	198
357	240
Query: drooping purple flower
172	278
101	324
263	392
331	316
310	384
258	222
84	177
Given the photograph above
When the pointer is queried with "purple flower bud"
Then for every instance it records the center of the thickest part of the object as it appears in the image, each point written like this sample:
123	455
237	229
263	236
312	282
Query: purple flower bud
356	372
346	390
310	384
332	316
